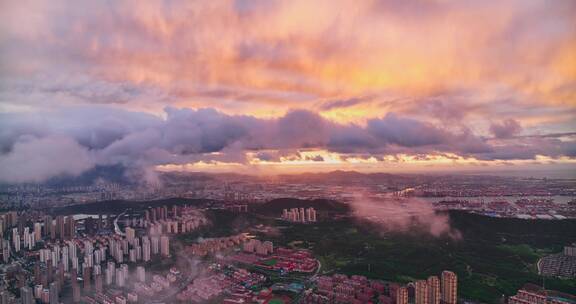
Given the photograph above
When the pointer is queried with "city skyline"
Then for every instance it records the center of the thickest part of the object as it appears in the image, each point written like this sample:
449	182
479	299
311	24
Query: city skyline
272	87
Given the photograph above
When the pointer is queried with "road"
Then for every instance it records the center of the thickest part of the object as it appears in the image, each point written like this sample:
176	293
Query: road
116	227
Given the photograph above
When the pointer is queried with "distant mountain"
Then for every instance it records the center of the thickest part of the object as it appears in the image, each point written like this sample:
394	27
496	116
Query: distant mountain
275	207
346	177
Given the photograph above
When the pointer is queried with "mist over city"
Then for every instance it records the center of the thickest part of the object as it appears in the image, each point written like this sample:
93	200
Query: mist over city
306	152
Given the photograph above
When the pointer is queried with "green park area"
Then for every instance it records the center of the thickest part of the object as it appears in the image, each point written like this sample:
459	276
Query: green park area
490	262
270	262
493	257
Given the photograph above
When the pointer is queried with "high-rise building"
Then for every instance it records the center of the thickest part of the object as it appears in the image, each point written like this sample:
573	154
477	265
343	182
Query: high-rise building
5	244
98	283
125	247
138	250
449	287
38	291
165	245
421	292
154	215
141	273
299	215
54	298
72	252
99	224
47	225
75	288
38	231
130	234
26	295
60	274
164	212
311	214
71	222
86	275
124	268
60	228
110	272
132	255
433	290
269	246
402	295
16	239
120	279
4	296
145	249
155	244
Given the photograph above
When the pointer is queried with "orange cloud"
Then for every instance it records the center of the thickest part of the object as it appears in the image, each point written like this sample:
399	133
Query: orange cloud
281	55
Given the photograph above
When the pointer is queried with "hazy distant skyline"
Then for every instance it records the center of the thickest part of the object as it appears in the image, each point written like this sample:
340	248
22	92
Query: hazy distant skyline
286	86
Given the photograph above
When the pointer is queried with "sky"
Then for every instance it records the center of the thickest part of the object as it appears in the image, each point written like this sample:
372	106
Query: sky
268	87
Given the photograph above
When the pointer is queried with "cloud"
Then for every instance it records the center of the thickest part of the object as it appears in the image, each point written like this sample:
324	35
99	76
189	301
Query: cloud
104	135
317	158
403	215
406	132
505	129
343	103
37	159
143	84
267	58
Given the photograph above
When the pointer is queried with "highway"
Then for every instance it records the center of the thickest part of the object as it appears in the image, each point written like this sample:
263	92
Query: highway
116	227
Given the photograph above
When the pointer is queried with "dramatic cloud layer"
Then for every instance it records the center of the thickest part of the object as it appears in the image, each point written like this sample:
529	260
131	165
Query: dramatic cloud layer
236	82
75	139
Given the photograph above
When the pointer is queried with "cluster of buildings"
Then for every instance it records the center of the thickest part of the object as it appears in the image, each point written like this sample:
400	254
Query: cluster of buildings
559	265
156	284
290	260
214	245
205	288
25	236
356	289
299	215
545	209
160	221
233	284
491	186
283	260
54	256
258	247
532	294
